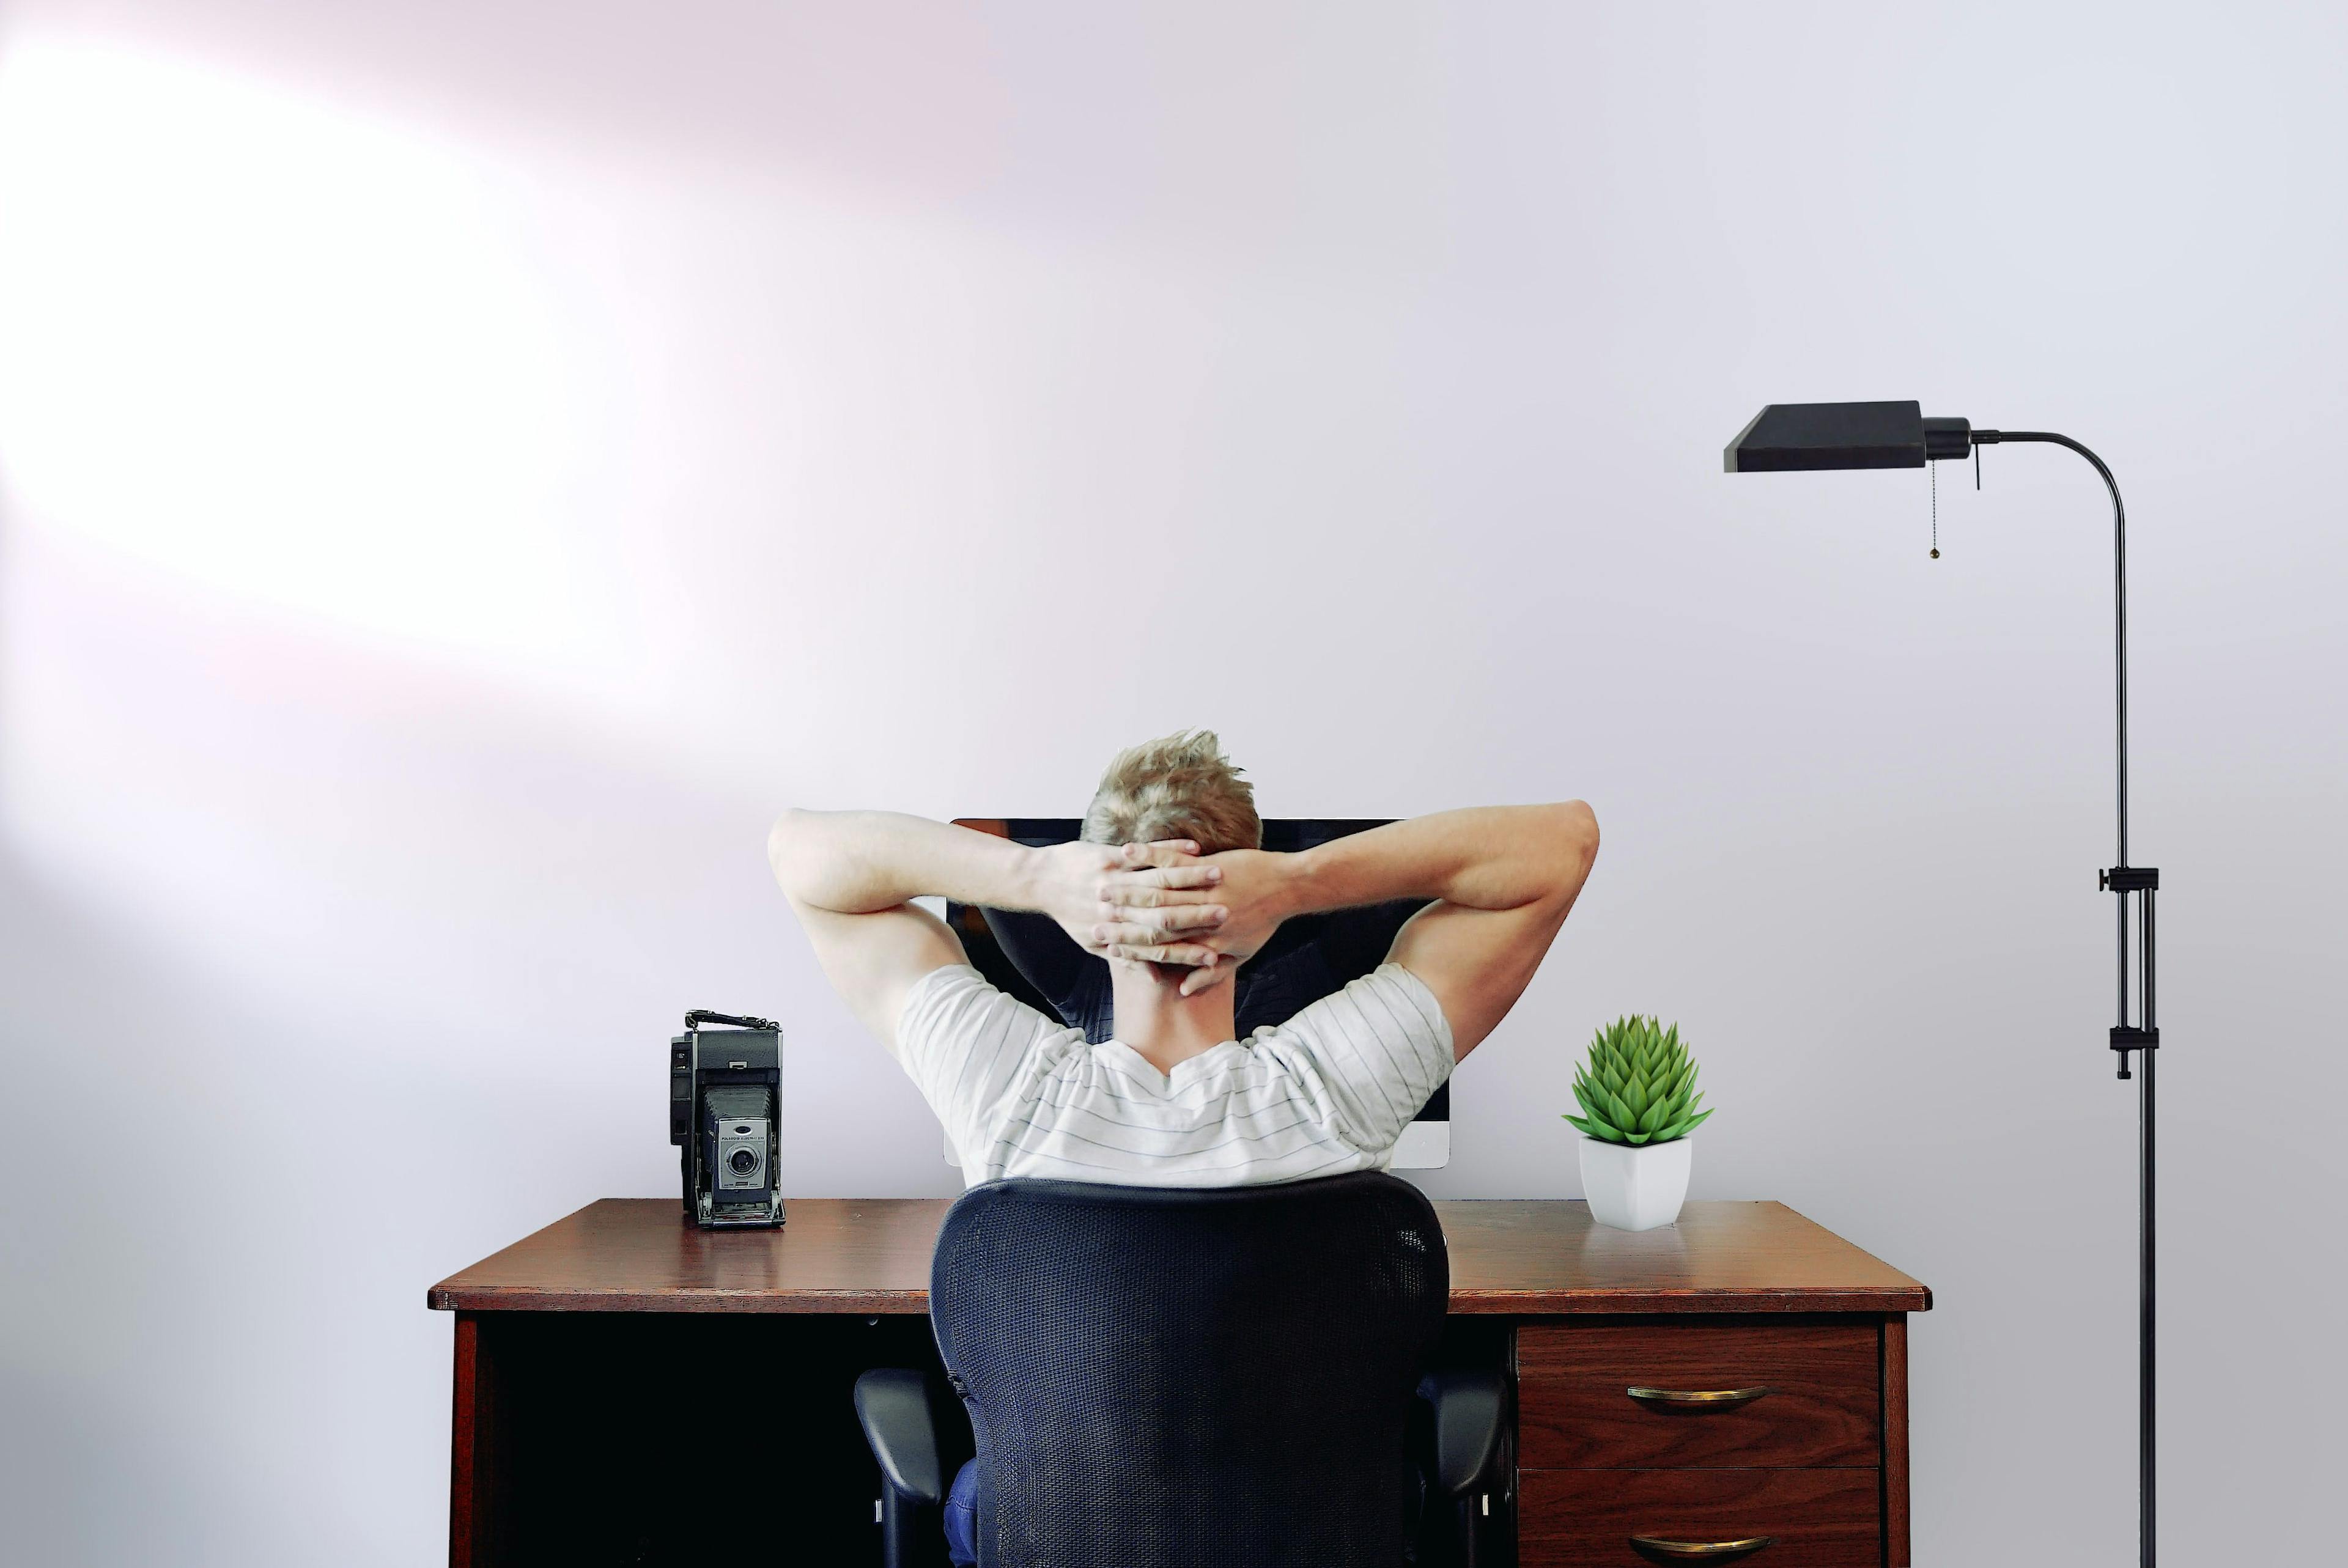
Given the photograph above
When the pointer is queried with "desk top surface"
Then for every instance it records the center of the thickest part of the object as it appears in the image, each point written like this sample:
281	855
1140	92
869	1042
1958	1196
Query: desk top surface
872	1255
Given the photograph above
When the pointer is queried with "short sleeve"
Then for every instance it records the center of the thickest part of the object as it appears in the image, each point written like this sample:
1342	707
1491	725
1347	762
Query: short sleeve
1380	1048
967	1047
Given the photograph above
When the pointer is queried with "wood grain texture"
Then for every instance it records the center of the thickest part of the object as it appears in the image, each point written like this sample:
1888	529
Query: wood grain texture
475	1452
1895	1441
1531	1257
1508	1256
638	1255
1825	1407
464	1494
1586	1518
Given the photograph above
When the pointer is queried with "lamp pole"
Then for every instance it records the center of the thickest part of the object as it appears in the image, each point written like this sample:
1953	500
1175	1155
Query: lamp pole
2139	883
1813	436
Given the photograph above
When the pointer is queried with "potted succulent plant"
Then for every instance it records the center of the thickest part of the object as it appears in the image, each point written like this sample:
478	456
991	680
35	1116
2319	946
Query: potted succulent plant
1638	1104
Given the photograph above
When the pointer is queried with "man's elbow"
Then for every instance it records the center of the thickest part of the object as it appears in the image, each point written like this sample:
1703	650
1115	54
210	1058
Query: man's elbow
1575	827
785	841
1583	823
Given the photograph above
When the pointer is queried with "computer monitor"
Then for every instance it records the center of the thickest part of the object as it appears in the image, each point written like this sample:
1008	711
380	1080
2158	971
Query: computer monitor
1308	957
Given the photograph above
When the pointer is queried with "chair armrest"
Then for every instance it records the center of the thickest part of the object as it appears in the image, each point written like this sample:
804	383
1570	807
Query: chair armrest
1471	1415
893	1408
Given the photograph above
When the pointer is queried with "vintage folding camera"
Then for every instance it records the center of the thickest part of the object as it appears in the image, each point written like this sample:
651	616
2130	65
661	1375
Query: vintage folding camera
725	1094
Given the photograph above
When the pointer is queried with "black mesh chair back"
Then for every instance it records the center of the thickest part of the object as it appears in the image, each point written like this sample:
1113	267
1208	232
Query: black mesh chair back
1187	1377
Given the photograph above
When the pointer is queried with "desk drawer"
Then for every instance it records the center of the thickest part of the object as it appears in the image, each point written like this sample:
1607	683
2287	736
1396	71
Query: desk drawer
1587	1518
1823	1407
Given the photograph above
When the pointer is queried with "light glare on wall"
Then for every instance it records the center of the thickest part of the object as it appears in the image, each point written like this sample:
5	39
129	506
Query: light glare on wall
282	348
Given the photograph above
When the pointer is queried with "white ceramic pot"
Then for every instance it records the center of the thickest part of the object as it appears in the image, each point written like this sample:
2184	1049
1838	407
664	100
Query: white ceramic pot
1635	1189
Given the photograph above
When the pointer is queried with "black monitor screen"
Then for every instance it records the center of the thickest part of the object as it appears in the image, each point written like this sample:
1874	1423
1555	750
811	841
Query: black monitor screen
1310	956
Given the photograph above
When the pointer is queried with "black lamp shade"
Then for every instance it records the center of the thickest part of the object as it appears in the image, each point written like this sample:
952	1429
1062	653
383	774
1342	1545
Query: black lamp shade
1789	437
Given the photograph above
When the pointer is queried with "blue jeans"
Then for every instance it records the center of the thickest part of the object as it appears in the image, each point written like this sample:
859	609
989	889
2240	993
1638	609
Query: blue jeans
962	1517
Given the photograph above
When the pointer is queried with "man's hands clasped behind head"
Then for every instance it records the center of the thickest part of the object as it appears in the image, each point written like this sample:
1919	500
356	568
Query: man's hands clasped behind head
1084	886
1501	880
1174	906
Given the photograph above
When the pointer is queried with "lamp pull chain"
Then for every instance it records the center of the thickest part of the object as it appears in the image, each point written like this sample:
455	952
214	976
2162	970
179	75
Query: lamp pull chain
1934	475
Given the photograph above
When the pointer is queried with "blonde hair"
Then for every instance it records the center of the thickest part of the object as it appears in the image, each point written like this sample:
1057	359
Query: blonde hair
1181	787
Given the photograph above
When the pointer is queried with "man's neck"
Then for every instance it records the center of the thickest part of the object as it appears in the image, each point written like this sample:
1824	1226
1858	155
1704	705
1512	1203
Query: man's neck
1166	1027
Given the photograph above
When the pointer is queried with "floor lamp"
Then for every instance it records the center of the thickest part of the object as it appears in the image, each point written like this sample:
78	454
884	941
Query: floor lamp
1794	437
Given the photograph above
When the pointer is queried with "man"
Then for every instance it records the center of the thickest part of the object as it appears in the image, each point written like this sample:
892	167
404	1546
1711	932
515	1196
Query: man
1170	886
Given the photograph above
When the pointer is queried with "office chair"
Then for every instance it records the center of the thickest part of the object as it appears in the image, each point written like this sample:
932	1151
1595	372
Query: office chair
1218	1378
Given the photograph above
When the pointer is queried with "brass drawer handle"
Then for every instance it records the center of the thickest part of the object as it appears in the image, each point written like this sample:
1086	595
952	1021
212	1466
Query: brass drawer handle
1693	1399
1711	1551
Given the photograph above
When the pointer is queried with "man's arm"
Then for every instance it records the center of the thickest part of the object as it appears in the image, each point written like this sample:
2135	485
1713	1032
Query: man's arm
851	876
1504	878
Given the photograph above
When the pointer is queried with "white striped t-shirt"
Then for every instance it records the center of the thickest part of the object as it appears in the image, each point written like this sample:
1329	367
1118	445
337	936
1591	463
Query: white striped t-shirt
1326	1092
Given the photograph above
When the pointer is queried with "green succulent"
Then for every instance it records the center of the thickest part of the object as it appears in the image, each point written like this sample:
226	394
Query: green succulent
1638	1086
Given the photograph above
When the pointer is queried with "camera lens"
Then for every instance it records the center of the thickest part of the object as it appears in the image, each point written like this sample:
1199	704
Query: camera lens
743	1160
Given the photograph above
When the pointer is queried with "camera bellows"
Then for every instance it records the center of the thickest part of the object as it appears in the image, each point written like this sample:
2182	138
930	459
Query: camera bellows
725	1092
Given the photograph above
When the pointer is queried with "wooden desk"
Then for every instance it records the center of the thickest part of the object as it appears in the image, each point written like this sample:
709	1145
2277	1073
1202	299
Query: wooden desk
628	1387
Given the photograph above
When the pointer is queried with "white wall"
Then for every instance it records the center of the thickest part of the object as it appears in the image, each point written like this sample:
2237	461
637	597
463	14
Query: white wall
467	465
